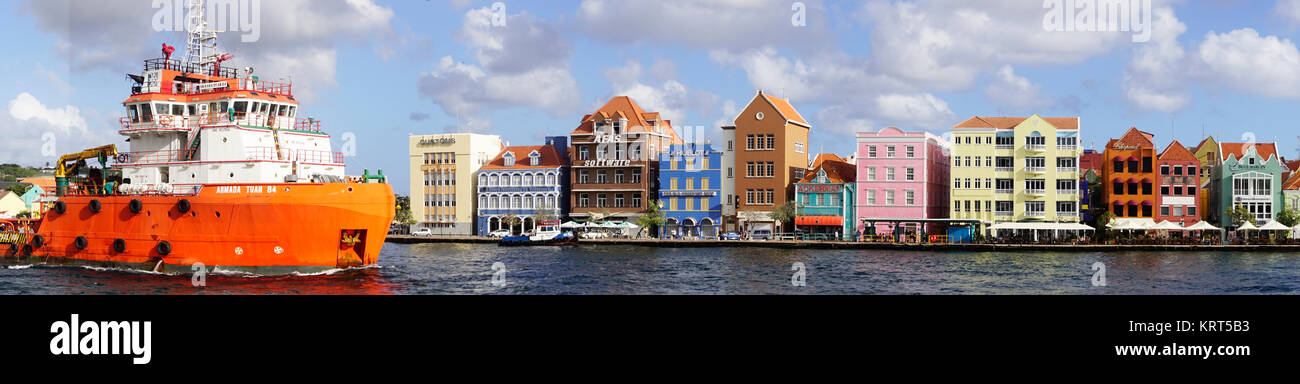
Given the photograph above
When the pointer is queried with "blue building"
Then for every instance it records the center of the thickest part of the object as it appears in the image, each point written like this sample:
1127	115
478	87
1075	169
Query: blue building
690	191
522	184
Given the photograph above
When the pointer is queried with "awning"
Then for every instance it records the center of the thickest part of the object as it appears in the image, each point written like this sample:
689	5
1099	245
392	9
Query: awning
835	221
1132	158
1147	203
1117	158
1042	226
1132	202
1132	180
1119	180
1146	181
1118	202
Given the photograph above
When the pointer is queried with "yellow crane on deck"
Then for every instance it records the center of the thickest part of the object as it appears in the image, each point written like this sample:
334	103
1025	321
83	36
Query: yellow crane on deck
70	164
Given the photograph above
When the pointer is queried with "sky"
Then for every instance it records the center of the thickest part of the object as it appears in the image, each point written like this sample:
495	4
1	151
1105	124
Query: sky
376	72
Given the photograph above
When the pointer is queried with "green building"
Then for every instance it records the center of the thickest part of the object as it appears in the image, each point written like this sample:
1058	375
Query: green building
1249	176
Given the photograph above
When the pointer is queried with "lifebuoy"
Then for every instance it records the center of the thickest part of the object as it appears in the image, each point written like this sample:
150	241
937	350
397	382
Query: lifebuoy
95	206
164	248
81	243
136	206
183	206
119	246
165	119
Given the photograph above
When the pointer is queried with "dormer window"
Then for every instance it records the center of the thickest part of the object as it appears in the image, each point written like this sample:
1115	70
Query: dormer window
821	177
509	159
535	158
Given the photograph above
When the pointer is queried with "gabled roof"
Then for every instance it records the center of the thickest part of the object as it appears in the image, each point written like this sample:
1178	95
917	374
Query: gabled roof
837	170
1176	151
1293	165
783	107
1134	138
550	158
1292	183
638	120
1238	150
1071	123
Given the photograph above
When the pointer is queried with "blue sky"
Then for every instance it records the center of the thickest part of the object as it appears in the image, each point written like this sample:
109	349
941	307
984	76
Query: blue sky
386	69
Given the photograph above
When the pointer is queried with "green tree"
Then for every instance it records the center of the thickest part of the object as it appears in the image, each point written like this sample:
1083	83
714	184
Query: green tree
1240	215
1101	222
544	214
653	218
20	188
785	213
403	215
511	220
1289	217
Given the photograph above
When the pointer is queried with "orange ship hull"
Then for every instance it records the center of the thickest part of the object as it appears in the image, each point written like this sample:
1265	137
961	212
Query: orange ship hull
255	228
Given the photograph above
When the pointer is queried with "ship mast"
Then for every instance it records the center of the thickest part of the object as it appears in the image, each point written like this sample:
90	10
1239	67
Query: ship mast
202	46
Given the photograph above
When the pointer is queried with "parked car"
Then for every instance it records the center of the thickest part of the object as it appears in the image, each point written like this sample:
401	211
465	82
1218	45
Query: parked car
500	233
761	234
734	236
422	232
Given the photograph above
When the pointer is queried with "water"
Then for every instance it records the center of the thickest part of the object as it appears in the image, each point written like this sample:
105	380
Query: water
600	269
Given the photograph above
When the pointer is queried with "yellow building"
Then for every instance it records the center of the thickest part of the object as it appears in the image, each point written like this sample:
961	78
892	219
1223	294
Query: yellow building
1016	170
443	169
1208	153
11	204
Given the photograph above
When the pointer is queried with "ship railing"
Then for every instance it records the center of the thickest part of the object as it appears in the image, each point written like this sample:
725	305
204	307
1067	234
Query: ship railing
187	67
154	157
79	187
265	120
158	123
298	155
241	84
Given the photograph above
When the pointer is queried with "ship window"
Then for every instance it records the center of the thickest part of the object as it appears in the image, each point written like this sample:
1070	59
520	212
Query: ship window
225	106
293	110
264	107
134	112
254	108
241	106
191	109
178	109
284	109
146	112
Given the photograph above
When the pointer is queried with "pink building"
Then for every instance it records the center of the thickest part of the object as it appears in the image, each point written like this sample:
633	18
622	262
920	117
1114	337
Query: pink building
902	175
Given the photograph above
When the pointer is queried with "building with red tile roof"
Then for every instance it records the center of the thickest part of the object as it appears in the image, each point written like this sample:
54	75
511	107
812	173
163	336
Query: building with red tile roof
522	184
1180	181
615	161
1130	177
767	153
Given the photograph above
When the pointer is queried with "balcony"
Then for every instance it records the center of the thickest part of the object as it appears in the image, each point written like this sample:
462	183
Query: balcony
1036	214
1067	214
1004	146
1036	169
1066	169
1036	147
1005	191
1067	147
1067	191
1004	169
1004	214
1036	192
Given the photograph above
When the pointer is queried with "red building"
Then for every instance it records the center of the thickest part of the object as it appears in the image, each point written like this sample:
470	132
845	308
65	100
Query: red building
1179	178
1093	160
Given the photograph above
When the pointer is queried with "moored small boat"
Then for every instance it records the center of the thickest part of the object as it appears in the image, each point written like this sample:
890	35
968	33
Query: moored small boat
547	233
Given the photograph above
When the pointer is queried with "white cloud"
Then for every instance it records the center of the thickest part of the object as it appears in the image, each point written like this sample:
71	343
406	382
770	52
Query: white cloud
853	97
1288	10
703	24
669	97
298	38
30	128
945	44
1244	61
1156	77
523	64
1015	93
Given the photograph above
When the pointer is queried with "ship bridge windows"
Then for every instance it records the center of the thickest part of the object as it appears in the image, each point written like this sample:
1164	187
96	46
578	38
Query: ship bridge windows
241	107
146	112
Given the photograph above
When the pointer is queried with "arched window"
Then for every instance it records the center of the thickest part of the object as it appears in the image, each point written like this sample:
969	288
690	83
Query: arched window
550	202
516	204
541	202
493	180
517	180
550	179
496	202
482	179
482	201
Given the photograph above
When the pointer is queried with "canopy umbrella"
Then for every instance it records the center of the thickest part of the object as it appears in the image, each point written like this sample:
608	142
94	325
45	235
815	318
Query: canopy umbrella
571	224
1246	226
629	225
590	225
1168	226
1274	226
1203	226
609	225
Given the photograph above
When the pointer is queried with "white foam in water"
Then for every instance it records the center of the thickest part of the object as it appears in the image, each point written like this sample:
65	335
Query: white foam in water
19	266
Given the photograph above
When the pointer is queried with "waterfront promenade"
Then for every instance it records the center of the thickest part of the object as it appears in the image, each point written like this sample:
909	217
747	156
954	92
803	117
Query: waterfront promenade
787	244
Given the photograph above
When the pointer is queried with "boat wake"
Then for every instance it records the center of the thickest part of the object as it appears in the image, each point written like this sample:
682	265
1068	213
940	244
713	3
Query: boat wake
216	271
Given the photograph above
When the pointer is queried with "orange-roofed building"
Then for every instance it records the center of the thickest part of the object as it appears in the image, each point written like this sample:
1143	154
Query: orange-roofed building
1291	191
767	153
1130	178
826	200
522	182
1180	181
615	161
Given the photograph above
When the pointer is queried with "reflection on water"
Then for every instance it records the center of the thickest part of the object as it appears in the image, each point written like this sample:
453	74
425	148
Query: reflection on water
589	269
